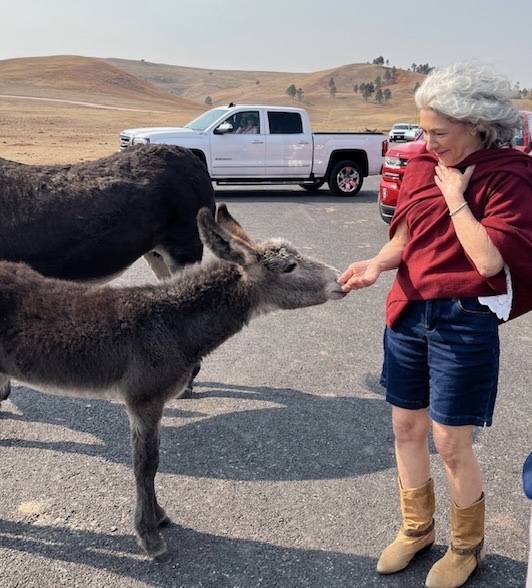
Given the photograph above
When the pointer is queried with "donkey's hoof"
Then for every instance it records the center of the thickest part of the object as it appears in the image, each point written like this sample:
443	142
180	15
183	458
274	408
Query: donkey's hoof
164	521
5	391
187	392
153	544
164	559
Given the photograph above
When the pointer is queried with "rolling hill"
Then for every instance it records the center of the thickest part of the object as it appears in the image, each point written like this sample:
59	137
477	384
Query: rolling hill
69	108
346	111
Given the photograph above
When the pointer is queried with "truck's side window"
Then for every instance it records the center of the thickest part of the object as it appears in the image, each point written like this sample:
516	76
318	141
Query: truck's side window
248	123
285	123
244	122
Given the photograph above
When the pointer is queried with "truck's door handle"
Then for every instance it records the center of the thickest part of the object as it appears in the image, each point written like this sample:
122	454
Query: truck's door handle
257	142
303	142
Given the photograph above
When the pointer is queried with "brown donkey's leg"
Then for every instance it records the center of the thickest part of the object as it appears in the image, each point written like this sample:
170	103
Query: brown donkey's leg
145	418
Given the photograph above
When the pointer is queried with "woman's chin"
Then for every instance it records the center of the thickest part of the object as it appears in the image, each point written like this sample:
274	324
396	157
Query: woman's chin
445	159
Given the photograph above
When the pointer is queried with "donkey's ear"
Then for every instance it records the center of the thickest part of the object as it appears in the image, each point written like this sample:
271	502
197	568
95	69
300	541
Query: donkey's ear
225	220
221	242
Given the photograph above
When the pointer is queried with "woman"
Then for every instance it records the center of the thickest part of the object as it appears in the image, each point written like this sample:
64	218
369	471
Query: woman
461	240
249	126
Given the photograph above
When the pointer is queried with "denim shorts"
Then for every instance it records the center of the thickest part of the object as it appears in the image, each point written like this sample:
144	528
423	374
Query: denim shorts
444	354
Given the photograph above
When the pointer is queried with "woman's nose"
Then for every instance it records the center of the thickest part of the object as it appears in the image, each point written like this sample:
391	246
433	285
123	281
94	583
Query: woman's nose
431	142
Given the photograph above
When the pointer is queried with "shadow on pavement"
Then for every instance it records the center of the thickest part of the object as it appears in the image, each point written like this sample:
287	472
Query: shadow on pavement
301	437
205	560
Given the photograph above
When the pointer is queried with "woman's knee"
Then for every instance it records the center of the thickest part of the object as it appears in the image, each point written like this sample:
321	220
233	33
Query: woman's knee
410	425
453	444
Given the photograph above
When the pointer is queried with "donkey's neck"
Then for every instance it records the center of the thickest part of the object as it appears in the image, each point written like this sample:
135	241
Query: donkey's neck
214	302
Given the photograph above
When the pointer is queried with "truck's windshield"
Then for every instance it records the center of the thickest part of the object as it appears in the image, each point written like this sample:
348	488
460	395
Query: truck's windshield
206	119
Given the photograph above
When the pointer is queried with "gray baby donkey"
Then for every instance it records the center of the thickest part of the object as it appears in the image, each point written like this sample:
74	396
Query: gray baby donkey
142	344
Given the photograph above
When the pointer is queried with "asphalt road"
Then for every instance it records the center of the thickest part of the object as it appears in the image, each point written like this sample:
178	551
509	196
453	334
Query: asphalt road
280	471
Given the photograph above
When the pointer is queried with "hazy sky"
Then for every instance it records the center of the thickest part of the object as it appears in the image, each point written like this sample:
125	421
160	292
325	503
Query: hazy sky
275	35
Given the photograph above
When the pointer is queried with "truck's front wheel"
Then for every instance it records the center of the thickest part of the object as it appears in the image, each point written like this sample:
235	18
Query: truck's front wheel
345	179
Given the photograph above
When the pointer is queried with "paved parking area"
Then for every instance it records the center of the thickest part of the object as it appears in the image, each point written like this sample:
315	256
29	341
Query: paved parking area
280	471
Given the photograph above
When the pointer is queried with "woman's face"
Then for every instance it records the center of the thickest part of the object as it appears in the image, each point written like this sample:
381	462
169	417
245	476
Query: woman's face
451	141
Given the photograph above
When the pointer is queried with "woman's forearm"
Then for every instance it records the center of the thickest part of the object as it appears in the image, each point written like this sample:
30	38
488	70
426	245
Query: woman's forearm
477	244
472	235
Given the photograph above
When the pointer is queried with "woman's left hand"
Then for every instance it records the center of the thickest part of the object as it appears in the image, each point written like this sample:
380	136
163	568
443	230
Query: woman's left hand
453	183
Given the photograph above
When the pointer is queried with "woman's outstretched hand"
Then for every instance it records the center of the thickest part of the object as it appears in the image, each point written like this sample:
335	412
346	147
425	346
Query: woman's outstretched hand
359	274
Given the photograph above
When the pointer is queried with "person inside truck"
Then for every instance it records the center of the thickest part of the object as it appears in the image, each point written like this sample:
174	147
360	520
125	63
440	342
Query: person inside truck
461	241
248	125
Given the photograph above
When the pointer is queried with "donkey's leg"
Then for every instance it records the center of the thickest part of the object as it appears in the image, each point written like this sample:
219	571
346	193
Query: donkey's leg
5	387
157	265
145	419
188	390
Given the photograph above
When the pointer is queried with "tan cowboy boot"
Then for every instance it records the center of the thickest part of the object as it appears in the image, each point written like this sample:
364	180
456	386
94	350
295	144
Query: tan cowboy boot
466	550
417	531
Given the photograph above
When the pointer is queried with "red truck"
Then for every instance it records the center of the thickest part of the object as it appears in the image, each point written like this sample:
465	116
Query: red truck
397	158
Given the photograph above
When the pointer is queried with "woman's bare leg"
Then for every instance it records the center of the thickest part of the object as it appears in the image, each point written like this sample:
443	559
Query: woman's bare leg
455	447
411	429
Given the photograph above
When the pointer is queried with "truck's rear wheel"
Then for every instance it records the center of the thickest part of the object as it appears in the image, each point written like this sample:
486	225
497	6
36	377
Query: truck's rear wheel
345	179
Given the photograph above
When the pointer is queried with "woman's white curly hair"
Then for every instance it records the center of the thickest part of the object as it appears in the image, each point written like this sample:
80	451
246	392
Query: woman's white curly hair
476	95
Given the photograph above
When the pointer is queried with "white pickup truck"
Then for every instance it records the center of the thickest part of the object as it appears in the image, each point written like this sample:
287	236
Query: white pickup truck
242	144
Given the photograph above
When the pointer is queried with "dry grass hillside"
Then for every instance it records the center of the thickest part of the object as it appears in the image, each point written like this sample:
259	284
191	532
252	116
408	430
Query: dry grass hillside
346	111
68	108
63	109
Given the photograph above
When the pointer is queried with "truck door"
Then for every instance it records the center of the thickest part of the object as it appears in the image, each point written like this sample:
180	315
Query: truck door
288	148
239	152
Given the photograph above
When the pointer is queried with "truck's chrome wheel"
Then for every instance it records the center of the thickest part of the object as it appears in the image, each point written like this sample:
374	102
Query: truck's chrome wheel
345	179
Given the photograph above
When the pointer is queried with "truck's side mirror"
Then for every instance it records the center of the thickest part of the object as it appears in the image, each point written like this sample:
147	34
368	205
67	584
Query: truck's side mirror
223	129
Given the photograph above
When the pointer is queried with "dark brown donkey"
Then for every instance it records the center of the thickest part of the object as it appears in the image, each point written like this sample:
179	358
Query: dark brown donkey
90	221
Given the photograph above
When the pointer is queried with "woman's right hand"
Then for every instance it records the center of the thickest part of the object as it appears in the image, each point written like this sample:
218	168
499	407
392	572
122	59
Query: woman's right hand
362	274
359	274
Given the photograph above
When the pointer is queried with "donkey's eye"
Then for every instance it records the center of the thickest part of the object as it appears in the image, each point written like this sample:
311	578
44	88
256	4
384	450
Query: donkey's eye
290	268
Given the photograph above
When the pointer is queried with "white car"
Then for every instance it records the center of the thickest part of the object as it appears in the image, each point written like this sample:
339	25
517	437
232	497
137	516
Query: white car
413	133
397	132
